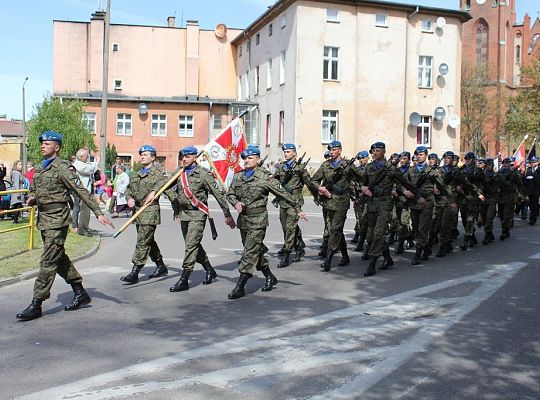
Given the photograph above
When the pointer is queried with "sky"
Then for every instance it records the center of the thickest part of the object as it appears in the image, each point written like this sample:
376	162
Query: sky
26	33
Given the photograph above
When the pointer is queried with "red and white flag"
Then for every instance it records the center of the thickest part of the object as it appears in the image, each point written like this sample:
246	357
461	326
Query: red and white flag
225	150
519	155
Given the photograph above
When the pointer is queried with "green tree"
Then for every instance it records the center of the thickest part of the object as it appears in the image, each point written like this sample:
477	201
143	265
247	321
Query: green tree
523	115
64	116
110	156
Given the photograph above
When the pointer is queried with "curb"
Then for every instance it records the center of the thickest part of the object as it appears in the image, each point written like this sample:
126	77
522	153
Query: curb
33	273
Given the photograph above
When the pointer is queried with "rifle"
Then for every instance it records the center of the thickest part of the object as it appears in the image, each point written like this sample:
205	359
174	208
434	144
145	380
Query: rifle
374	187
421	180
261	163
331	184
287	177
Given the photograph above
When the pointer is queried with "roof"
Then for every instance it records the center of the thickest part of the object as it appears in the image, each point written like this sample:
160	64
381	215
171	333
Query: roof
281	5
11	128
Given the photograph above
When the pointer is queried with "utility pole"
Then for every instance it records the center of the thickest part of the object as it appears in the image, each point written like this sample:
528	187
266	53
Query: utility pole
24	128
105	88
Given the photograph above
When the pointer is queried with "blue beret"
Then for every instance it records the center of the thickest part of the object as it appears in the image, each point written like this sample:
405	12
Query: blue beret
433	156
533	159
334	143
405	154
149	148
378	145
362	154
421	149
288	146
52	136
489	161
189	151
481	159
250	151
469	156
509	160
449	154
395	155
327	154
456	157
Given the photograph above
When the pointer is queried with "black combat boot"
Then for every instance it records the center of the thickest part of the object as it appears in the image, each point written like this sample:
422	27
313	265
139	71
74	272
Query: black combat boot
505	234
211	273
281	252
417	256
327	264
345	260
324	249
433	237
31	312
133	276
449	247
355	237
388	261
365	256
80	298
300	252
370	271
392	237
285	261
300	242
426	252
532	220
271	280
161	269
238	290
400	247
410	244
360	244
442	249
182	283
486	238
473	241
466	241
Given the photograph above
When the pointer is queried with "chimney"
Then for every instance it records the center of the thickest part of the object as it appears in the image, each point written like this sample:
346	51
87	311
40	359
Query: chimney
98	15
192	22
171	22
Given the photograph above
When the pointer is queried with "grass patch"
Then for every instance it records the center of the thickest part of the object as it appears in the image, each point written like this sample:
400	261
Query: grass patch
15	258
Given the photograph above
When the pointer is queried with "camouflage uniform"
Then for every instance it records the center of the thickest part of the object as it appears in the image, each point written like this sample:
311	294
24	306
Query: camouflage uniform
360	212
510	186
445	216
471	181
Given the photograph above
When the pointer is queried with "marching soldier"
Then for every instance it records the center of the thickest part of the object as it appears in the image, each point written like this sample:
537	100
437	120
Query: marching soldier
531	180
488	208
140	191
332	180
326	234
292	175
377	184
53	180
359	205
446	208
248	194
191	210
402	209
510	186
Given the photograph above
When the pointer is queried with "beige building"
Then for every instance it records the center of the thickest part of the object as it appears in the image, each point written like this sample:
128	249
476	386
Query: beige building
357	71
168	86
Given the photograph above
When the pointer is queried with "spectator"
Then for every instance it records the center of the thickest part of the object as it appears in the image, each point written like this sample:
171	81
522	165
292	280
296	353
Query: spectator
120	187
4	203
85	170
17	182
113	168
30	172
99	188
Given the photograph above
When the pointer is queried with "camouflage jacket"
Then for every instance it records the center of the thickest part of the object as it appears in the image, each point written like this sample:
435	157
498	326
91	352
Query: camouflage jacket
447	176
382	191
201	183
295	182
253	192
338	181
425	182
50	189
509	183
471	181
140	185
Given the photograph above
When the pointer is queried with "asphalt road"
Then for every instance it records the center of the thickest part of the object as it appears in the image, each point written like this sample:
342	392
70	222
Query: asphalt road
462	327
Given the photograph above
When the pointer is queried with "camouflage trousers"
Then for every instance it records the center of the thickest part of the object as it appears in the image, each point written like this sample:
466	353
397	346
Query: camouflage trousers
193	231
403	217
335	221
469	215
379	212
422	219
253	257
488	210
506	208
146	245
289	224
444	221
54	260
360	211
325	231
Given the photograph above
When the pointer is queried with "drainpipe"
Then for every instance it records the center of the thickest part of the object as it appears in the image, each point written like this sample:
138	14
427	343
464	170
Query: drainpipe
404	139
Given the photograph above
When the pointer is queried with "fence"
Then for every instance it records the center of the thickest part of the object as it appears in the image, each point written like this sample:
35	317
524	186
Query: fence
29	226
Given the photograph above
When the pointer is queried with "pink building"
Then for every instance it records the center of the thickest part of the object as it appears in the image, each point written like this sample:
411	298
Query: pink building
168	86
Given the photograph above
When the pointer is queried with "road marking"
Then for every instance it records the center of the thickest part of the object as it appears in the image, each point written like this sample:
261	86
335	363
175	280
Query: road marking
535	256
345	337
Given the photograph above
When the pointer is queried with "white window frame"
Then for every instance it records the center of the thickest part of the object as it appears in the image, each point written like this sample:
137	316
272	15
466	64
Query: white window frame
89	119
425	72
217	118
124	125
269	74
424	128
117	84
186	125
381	20
329	117
329	60
427	26
159	125
332	14
282	68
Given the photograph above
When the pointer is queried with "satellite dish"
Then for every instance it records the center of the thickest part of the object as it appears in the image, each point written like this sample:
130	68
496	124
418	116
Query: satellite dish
443	69
441	22
143	108
439	114
220	30
414	119
453	121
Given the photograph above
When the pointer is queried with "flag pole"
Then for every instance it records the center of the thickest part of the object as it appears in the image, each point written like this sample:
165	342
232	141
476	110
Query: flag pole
530	150
214	169
523	141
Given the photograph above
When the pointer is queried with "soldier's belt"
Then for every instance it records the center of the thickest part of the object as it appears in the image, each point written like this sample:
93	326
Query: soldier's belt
51	206
254	210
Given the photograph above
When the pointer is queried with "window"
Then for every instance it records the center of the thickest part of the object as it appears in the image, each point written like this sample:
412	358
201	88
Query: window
467	5
257	39
185	126
125	159
283	21
282	68
159	125
115	47
329	126
240	51
117	84
330	63
269	75
518	54
217	121
332	15
89	119
381	20
257	79
246	91
481	43
123	124
427	25
423	131
494	3
425	67
281	126
268	126
270	30
161	160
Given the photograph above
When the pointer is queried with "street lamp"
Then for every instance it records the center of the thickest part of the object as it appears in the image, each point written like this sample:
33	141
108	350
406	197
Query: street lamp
24	128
